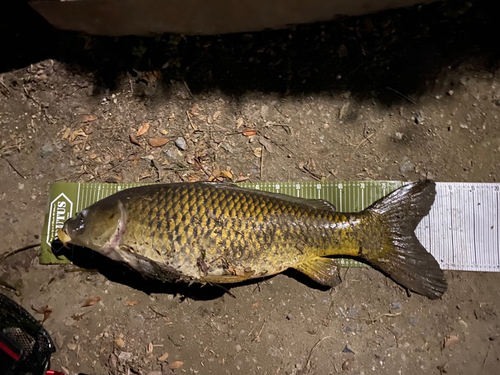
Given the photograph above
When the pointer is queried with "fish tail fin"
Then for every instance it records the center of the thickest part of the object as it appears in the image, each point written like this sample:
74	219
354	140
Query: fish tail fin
401	256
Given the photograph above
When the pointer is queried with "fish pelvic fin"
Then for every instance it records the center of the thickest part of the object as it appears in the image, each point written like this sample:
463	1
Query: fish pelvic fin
401	256
324	271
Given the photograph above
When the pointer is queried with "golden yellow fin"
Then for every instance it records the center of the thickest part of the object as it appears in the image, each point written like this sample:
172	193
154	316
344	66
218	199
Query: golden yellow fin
324	271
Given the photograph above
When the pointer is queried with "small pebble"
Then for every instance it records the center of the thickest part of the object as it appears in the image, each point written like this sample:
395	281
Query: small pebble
47	150
406	165
395	305
71	346
181	143
399	135
125	356
413	320
347	350
464	126
238	348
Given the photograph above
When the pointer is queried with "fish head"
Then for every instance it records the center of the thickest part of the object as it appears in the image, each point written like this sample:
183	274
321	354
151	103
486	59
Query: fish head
98	227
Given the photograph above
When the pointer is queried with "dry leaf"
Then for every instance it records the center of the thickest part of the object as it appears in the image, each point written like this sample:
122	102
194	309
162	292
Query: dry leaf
143	129
76	133
267	144
242	178
257	152
194	109
171	117
239	122
343	110
119	341
91	301
226	174
216	115
157	73
77	317
132	303
134	140
215	171
89	118
66	134
176	364
150	348
45	310
249	132
163	358
450	340
93	156
157	142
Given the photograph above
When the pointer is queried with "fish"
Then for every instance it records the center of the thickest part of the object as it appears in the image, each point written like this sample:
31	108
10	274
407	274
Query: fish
205	232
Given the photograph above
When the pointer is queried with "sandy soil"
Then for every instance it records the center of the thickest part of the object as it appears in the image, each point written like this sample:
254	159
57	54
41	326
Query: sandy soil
400	95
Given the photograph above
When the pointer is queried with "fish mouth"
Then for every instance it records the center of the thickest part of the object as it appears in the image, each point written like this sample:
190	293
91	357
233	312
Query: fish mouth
63	237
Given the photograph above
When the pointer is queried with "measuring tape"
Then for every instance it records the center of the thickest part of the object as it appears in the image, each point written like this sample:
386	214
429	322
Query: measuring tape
462	230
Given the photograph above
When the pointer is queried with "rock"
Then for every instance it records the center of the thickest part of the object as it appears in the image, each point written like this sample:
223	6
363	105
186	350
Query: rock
125	356
351	312
413	320
399	135
405	165
347	350
395	305
181	143
47	150
71	346
237	348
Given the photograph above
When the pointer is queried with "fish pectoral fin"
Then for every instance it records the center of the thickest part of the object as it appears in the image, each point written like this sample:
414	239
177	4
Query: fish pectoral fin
324	271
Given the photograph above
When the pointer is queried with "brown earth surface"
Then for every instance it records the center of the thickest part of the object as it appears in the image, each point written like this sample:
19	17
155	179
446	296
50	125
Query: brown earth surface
400	95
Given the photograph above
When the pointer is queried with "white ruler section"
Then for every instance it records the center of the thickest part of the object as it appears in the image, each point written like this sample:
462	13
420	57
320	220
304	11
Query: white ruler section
462	230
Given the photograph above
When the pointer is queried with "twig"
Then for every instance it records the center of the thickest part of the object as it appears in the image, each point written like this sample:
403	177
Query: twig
6	255
377	317
14	168
6	285
187	88
395	336
487	354
191	121
303	371
262	162
366	139
156	312
402	95
258	334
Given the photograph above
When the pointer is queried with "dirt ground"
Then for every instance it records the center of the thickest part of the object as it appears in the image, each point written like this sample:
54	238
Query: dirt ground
401	95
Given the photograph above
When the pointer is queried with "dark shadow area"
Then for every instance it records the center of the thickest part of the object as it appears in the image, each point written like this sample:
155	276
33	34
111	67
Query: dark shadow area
122	274
388	55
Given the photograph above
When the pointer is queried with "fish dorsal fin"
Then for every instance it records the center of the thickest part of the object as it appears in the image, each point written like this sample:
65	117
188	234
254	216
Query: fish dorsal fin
316	204
324	271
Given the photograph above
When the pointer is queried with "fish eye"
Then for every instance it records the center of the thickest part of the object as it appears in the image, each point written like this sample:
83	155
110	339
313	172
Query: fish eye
80	217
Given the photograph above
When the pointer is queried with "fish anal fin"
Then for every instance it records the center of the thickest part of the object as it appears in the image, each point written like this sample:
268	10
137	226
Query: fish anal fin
324	271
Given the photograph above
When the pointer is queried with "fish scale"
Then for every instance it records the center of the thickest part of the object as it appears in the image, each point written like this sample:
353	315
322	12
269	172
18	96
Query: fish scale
222	219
